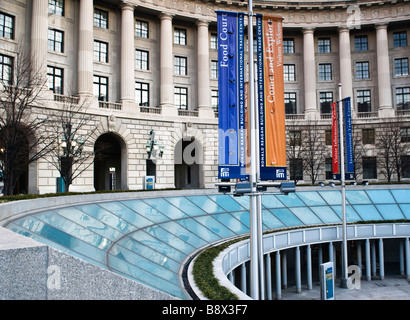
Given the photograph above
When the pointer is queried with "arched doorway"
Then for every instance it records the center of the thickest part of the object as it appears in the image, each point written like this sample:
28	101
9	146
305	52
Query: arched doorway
110	163
189	164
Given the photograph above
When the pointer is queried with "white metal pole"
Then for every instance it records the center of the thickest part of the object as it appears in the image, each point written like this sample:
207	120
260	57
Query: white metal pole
343	188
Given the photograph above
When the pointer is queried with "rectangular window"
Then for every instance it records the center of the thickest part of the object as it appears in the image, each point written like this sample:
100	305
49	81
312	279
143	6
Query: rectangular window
6	26
56	7
55	40
290	103
100	87
400	39
325	71
296	169
141	59
214	41
369	168
324	45
214	100
360	43
405	134
100	51
142	94
180	66
141	29
288	45
368	136
100	18
401	67
405	162
363	101
326	99
6	69
55	79
289	73
362	70
181	98
403	98
295	138
214	69
180	36
329	168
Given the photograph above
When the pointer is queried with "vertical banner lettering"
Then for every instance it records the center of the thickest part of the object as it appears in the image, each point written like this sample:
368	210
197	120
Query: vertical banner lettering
231	103
271	106
349	139
335	142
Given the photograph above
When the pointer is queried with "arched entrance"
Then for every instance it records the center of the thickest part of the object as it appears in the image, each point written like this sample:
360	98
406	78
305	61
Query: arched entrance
110	163
189	164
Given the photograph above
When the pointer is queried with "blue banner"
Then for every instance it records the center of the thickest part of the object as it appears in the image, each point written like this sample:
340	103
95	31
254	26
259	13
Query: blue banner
349	139
231	103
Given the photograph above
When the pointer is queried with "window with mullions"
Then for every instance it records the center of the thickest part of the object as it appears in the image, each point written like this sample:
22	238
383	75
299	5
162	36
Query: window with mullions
325	71
400	39
290	103
289	73
141	29
368	136
100	87
180	66
363	101
214	100
6	69
323	45
141	59
362	70
405	134
142	94
288	45
403	98
369	166
214	41
214	69
326	99
100	51
360	43
6	26
180	36
55	79
56	7
55	40
181	98
329	168
295	138
100	18
401	67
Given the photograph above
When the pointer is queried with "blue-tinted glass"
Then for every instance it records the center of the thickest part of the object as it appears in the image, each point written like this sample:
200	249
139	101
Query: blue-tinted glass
182	233
311	198
326	214
231	223
126	213
227	202
332	197
186	206
270	201
380	196
146	210
170	239
270	221
368	212
351	215
199	229
215	226
405	208
166	208
243	201
287	217
242	216
291	200
390	211
306	215
401	195
206	204
357	197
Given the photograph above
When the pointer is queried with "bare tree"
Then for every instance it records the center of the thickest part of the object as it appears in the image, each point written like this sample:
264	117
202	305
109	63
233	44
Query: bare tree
294	153
22	136
385	142
313	152
358	150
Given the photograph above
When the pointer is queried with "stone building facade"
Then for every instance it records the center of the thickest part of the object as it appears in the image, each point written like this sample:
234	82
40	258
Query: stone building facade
151	66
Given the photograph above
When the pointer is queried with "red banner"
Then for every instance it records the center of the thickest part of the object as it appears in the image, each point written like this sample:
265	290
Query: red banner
335	141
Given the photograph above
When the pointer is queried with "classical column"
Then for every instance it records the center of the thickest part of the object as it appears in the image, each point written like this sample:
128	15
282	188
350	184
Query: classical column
381	259
309	73
309	266
368	264
345	62
166	66
85	48
39	31
278	276
383	72
298	275
127	53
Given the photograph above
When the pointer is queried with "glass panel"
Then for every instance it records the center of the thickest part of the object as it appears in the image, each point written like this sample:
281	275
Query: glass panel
170	239
206	204
406	210
270	221
306	215
242	216
401	196
243	201
287	217
332	197
326	214
311	198
270	201
186	206
390	211
182	233
146	210
380	196
351	215
126	213
163	206
227	203
199	230
368	212
291	200
357	197
215	226
232	223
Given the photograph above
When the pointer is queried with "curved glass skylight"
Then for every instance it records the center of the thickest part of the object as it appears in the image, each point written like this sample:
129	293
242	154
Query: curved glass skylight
148	240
